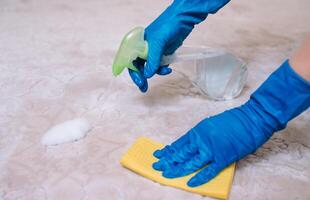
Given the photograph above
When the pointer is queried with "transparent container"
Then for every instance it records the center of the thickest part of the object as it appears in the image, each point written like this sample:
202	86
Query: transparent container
219	75
222	77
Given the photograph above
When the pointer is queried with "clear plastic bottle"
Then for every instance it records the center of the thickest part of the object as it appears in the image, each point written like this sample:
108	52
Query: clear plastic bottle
219	75
222	77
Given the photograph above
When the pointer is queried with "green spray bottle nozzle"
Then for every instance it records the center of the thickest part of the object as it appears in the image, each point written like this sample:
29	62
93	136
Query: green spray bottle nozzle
132	46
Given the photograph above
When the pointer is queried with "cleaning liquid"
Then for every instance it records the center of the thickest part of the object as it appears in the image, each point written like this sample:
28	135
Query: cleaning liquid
219	75
222	77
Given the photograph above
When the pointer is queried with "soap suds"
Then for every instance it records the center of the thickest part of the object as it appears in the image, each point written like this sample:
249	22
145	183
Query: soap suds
68	131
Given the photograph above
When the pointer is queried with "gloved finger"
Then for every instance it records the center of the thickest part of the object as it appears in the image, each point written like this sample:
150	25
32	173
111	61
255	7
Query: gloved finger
153	59
144	87
184	168
136	77
162	164
174	157
139	80
164	151
183	140
182	155
164	70
205	175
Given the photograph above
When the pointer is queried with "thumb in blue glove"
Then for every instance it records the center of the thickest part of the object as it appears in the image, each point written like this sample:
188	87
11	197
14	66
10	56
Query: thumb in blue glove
167	33
225	138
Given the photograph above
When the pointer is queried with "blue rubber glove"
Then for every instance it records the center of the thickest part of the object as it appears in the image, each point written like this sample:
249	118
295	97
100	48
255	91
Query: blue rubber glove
225	138
167	33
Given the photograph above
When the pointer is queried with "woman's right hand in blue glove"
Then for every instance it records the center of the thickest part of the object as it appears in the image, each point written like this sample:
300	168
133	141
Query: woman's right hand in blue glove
225	138
167	33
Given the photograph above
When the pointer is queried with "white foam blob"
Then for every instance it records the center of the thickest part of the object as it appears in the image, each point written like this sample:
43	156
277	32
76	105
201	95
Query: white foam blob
68	131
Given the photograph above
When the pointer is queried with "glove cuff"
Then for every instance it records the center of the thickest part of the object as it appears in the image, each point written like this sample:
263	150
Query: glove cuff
282	97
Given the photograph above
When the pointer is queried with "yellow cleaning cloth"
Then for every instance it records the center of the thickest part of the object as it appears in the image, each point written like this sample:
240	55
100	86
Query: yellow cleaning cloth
139	158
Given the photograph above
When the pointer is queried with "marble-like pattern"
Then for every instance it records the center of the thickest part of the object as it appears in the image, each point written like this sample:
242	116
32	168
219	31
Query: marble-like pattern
55	61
